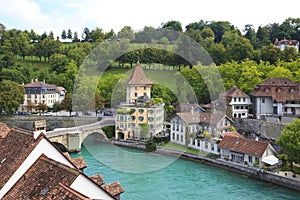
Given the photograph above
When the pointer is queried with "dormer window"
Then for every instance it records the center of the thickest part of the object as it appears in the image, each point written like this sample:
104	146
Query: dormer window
267	90
291	90
278	90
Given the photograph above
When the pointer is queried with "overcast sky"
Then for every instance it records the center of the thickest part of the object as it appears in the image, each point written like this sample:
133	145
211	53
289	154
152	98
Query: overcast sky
56	15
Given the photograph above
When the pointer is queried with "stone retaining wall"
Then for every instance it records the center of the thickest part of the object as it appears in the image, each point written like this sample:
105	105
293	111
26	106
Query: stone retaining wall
264	129
26	122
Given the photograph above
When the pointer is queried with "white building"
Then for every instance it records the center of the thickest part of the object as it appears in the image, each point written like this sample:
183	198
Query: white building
247	151
186	128
282	44
40	92
276	96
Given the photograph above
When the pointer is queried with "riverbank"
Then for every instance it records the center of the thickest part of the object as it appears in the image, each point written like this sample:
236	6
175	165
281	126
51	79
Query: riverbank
252	172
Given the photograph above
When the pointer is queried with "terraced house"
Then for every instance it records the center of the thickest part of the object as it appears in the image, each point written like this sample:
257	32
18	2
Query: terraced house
140	116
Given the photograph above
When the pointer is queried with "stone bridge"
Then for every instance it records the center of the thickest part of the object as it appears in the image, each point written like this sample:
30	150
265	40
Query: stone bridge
72	138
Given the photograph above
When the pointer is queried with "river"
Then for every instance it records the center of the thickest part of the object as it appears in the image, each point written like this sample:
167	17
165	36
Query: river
152	176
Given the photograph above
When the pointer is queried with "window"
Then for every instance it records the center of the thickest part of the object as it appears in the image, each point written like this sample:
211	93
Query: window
234	99
239	99
181	138
141	111
145	94
250	159
237	107
262	100
135	88
173	136
145	87
177	137
132	118
28	96
135	94
141	118
244	99
206	145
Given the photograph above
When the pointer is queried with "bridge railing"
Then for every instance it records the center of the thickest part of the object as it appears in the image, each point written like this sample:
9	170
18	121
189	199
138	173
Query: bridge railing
107	122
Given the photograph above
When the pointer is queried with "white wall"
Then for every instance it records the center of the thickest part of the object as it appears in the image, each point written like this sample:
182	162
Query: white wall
84	185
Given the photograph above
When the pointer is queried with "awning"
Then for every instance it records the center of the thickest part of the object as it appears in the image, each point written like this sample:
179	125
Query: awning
271	160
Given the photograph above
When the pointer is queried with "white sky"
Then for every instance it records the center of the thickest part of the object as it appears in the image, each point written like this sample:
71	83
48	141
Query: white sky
56	15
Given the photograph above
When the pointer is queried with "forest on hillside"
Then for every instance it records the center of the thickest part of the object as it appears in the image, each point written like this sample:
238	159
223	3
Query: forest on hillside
243	57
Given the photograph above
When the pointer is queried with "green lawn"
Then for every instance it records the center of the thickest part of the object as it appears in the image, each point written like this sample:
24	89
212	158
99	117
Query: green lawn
182	148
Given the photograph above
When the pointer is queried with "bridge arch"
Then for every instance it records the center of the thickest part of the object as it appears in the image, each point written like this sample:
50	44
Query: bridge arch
61	147
101	136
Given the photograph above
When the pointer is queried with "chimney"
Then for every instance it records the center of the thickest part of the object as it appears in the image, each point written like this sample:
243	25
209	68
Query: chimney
36	79
44	81
192	110
31	80
237	139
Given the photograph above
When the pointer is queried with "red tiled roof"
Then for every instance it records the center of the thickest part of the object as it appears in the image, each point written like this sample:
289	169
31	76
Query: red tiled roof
247	146
114	188
15	148
41	180
286	42
97	178
138	77
234	92
4	130
231	134
78	162
39	84
279	89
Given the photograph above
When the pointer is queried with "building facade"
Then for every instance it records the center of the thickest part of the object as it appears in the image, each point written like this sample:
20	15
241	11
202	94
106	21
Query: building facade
140	116
276	96
247	151
38	92
186	128
282	44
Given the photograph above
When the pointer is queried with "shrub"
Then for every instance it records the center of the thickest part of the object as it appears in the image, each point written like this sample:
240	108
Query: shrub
150	145
109	131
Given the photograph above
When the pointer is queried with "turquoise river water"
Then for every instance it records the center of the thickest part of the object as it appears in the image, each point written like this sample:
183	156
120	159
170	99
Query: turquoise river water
151	176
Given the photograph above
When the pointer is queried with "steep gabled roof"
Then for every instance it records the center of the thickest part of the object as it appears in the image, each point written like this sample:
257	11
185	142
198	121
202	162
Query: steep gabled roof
14	149
138	77
37	84
244	145
234	92
42	179
78	162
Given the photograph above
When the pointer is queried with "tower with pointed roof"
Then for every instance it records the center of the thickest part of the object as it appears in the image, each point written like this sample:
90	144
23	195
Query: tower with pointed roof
138	85
140	116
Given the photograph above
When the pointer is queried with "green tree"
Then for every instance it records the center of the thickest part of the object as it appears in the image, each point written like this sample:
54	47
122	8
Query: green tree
280	72
75	38
11	96
249	78
23	44
66	104
42	107
289	141
126	33
58	62
173	25
63	35
69	34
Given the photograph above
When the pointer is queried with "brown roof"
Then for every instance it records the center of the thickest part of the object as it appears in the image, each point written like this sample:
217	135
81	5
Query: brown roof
41	181
235	92
279	89
37	84
247	146
286	42
78	162
114	188
231	134
4	130
188	117
138	77
97	178
14	149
